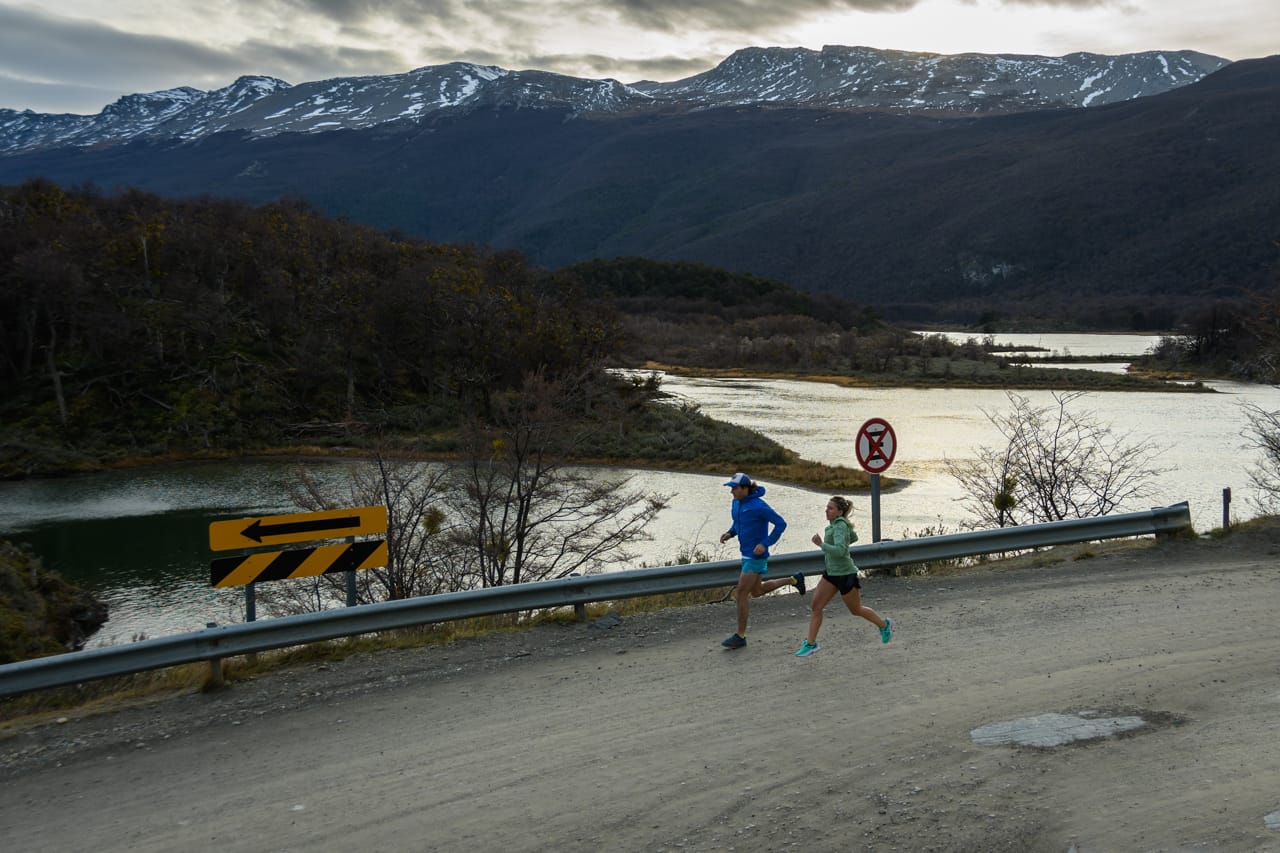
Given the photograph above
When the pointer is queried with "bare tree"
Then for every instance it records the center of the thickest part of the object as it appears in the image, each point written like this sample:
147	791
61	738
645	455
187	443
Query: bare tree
1263	435
523	515
511	512
1055	464
418	545
989	482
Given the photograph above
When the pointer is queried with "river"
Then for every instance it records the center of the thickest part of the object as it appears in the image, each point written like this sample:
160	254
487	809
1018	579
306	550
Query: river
139	538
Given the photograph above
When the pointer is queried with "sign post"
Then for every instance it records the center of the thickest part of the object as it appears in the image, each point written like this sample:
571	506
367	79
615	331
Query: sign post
875	447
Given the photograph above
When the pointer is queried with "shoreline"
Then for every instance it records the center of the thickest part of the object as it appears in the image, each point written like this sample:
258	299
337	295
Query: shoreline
800	473
1146	381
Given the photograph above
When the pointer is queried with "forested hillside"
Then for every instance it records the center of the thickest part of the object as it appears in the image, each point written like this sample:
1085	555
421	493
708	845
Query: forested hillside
130	324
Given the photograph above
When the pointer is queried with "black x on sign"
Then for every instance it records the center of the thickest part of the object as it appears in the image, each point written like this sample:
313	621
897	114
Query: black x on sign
876	445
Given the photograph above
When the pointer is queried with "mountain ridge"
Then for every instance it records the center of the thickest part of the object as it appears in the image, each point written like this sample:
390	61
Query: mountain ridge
836	77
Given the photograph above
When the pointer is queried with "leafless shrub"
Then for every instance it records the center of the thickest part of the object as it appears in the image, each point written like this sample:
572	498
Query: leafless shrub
1055	464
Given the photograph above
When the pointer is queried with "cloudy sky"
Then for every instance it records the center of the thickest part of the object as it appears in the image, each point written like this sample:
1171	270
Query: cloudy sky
80	55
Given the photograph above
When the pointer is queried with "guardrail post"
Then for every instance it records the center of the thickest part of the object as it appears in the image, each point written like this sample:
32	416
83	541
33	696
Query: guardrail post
579	609
1166	534
1226	508
215	664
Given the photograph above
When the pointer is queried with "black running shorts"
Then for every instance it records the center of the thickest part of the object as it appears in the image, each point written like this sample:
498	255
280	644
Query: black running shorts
845	583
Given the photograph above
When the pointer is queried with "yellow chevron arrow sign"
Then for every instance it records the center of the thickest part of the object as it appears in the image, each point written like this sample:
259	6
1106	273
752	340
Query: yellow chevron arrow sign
298	563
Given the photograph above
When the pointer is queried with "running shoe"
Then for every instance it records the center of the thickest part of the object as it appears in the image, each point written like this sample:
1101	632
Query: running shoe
886	633
733	641
807	648
799	579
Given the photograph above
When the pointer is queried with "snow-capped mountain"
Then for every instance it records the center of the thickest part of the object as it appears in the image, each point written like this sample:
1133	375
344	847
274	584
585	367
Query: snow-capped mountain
858	78
134	116
865	78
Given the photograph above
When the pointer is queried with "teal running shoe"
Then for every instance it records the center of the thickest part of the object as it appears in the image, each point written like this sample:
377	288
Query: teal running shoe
886	633
807	648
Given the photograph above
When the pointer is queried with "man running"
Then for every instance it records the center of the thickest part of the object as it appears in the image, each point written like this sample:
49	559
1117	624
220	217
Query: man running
752	518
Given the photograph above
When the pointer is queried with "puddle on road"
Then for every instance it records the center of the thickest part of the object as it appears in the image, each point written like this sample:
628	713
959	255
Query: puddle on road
1050	730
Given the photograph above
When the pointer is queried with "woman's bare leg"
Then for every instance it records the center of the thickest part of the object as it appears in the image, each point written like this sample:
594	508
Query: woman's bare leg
821	597
854	602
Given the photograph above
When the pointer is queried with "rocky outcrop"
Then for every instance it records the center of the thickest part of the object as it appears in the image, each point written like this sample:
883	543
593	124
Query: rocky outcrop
40	613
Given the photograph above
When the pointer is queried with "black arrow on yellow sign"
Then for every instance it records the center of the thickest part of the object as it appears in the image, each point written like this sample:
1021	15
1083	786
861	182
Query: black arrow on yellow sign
324	528
240	533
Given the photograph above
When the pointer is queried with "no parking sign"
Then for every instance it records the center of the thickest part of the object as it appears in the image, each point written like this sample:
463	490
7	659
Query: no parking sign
876	445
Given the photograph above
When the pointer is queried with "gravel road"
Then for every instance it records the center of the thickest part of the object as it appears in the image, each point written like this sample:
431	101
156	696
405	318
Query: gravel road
648	736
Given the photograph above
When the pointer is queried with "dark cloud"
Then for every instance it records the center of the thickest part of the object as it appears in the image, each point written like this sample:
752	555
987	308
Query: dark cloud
38	46
739	16
624	70
17	93
666	68
73	63
743	16
66	65
50	62
304	62
356	13
488	57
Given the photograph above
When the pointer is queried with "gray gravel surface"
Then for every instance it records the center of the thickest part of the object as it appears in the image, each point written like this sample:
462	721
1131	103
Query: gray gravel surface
644	734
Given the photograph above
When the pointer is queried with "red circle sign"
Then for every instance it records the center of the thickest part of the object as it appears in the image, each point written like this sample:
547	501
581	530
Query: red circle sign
876	445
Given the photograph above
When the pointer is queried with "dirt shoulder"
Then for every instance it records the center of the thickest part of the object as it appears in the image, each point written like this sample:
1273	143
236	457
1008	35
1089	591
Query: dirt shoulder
647	735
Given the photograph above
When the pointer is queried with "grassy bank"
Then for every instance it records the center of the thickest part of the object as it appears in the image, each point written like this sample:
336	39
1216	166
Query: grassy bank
962	373
653	435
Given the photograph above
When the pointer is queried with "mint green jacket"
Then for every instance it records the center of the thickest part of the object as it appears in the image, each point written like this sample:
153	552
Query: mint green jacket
836	540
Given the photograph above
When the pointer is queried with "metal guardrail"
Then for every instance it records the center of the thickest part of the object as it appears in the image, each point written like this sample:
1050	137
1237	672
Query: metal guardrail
213	644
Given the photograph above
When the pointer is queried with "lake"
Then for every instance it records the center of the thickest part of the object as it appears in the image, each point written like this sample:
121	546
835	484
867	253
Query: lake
1055	344
139	538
